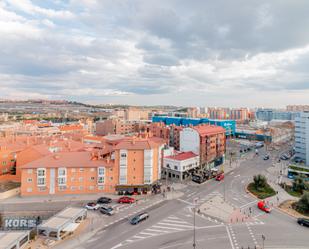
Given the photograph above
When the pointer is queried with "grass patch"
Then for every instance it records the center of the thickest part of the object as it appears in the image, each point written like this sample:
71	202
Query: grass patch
290	191
261	193
298	168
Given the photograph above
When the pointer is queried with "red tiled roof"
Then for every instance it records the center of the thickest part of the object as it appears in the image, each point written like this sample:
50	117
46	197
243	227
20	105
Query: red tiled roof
138	143
205	130
182	156
66	159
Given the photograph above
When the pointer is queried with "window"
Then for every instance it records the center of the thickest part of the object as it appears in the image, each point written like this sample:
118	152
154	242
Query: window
100	171
100	187
81	179
111	178
100	180
62	172
123	155
72	179
62	176
101	175
81	169
42	189
41	172
41	181
29	171
61	181
81	188
168	165
41	176
92	178
4	163
91	187
73	188
62	188
176	167
29	179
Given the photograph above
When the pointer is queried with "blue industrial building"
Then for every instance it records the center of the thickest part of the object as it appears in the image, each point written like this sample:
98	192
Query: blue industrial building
228	125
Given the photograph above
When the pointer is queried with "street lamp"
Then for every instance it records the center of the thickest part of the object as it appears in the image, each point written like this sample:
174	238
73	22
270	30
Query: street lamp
194	210
263	239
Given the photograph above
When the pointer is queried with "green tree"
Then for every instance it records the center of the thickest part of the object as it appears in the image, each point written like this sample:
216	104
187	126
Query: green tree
303	204
299	184
259	181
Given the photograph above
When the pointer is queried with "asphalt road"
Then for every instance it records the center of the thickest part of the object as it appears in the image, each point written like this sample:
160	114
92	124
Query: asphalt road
170	225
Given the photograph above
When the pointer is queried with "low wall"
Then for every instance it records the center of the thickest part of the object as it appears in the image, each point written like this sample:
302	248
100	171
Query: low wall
9	193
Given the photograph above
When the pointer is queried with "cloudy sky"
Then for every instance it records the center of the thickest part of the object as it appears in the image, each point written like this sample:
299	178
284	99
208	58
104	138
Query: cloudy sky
195	53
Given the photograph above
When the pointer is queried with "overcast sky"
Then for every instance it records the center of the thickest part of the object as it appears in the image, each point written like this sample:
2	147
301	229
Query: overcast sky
194	53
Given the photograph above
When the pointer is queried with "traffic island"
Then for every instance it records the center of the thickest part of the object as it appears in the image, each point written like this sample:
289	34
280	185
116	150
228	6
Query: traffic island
261	192
288	207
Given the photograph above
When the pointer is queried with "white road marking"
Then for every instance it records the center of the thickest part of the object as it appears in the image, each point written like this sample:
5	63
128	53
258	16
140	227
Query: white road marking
174	225
171	228
229	235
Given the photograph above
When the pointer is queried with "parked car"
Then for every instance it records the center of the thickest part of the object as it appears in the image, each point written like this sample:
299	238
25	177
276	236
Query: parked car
104	200
138	218
126	199
263	206
303	222
92	206
220	177
266	157
283	157
107	210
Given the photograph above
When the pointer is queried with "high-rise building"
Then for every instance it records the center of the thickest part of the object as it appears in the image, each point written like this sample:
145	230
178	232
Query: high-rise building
302	137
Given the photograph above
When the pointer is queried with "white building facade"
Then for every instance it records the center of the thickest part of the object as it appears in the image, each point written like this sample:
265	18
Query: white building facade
180	166
302	137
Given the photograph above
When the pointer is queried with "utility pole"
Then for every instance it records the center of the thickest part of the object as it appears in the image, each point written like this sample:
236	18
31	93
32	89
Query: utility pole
194	210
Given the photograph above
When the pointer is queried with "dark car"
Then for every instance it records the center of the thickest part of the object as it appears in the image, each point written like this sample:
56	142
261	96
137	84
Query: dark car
138	218
303	222
266	157
104	200
107	210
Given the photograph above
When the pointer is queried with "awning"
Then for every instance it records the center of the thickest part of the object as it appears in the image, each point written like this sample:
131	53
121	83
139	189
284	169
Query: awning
71	227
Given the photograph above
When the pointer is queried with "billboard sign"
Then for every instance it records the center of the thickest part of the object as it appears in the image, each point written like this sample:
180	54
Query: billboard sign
19	223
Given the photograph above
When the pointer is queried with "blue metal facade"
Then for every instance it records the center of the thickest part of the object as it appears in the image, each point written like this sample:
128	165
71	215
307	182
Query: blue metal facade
228	125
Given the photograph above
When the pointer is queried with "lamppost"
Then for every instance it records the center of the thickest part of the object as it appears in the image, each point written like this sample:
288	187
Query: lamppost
194	210
263	239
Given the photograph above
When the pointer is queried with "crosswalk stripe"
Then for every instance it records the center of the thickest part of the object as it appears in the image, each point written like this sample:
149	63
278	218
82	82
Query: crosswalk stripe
144	233
139	237
173	218
177	225
171	228
155	230
176	221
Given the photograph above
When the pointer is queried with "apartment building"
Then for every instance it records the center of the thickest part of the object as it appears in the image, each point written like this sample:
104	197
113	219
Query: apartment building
7	160
207	141
121	164
116	126
302	137
134	114
240	114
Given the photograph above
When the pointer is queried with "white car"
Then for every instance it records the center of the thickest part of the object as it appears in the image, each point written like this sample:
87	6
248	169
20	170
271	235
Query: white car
92	206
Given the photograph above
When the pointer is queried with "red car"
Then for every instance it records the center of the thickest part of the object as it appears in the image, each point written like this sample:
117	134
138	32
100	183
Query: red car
263	206
126	199
220	177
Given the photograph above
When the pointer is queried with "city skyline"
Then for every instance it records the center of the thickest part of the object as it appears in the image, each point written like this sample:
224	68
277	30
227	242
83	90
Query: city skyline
138	52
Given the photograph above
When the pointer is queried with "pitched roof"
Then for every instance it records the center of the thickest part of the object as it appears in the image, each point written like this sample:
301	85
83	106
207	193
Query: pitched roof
205	130
133	143
182	156
66	159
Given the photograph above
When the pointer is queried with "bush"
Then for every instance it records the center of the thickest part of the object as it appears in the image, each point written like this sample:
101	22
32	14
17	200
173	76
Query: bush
299	184
259	181
261	193
302	205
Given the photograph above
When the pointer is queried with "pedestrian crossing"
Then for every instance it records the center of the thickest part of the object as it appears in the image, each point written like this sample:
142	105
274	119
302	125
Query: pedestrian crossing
171	224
